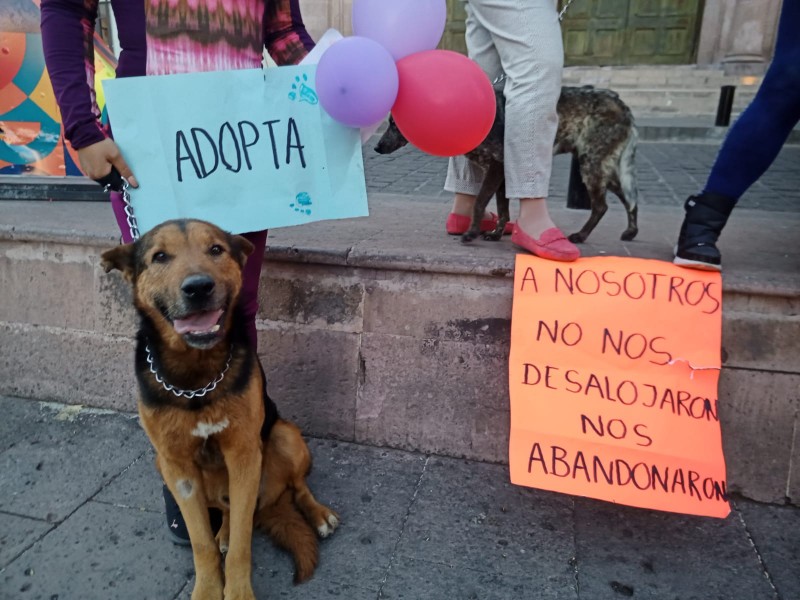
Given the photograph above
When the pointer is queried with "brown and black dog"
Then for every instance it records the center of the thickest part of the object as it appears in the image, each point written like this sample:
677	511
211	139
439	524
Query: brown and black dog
203	402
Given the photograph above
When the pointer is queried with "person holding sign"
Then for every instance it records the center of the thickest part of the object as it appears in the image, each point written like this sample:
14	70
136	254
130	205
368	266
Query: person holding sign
160	37
750	148
522	40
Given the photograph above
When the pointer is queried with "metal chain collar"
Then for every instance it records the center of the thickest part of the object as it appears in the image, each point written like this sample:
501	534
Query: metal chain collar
186	393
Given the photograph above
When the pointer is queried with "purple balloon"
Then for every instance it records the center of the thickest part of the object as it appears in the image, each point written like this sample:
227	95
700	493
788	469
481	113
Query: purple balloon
357	81
403	27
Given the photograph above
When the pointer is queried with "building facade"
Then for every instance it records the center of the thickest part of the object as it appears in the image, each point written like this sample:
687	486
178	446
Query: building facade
737	35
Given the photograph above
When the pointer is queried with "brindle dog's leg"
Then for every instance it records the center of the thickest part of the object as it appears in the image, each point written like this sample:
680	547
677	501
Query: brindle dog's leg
591	173
502	214
491	183
242	452
630	208
186	484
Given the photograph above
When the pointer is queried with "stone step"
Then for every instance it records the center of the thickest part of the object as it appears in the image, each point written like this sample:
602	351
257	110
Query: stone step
682	91
654	76
386	332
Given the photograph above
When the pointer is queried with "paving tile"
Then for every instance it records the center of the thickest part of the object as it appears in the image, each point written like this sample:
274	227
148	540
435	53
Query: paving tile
17	534
64	459
371	490
20	417
101	552
775	531
139	486
469	516
412	579
649	555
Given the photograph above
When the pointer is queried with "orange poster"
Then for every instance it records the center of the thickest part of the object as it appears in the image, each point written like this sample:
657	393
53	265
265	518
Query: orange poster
613	375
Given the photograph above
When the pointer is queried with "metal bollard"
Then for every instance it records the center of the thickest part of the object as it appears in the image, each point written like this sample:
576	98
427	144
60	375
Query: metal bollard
577	194
725	105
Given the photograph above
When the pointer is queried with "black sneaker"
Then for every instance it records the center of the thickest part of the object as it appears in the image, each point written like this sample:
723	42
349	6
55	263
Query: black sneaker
706	215
175	523
177	526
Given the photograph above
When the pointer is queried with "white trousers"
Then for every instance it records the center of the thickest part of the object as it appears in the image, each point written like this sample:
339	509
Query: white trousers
521	38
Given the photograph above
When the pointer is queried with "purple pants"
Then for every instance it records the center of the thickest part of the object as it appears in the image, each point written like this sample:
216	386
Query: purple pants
248	298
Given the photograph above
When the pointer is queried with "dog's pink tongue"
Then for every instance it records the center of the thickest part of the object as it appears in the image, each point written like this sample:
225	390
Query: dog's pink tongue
201	322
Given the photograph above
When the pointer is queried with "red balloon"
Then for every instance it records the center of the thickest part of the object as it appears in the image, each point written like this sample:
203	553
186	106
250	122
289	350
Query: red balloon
445	103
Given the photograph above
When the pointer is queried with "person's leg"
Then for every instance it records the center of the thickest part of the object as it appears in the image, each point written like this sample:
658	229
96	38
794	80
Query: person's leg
527	37
751	146
251	275
464	178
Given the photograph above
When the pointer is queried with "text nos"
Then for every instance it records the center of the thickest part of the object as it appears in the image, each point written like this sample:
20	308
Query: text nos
230	147
556	461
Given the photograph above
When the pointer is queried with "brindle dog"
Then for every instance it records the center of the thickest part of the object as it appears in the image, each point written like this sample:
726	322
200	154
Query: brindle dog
593	124
220	444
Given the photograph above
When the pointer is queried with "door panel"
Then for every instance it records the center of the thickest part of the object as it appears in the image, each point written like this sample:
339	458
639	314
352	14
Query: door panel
627	32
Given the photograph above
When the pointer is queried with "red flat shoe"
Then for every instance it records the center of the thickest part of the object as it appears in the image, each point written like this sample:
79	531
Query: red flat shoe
552	245
458	224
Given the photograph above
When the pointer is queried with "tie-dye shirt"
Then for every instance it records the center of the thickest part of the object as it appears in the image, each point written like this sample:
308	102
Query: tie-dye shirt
160	37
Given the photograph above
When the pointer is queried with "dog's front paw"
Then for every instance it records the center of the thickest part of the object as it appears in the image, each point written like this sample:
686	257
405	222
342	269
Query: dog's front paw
577	238
207	589
628	235
239	592
466	238
493	236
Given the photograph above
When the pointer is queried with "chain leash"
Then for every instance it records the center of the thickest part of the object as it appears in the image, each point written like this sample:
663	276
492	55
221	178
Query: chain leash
133	224
186	393
564	9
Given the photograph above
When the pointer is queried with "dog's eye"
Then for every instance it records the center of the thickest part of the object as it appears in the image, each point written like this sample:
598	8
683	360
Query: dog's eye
160	257
216	250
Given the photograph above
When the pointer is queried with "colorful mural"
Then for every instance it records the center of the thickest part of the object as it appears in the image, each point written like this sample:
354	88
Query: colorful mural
31	136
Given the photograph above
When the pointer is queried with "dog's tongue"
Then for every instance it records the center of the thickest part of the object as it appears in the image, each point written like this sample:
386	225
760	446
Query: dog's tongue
201	322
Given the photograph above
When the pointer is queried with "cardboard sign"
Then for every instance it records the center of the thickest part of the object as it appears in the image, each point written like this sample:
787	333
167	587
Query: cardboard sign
246	150
613	377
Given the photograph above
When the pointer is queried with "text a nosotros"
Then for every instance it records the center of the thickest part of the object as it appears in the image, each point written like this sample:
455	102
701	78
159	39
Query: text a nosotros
232	145
675	289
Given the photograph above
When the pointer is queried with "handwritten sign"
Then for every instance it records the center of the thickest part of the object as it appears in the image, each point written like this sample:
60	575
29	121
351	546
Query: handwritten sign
247	150
613	375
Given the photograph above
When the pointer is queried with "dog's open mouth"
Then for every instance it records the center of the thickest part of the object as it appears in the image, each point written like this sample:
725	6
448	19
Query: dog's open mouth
200	327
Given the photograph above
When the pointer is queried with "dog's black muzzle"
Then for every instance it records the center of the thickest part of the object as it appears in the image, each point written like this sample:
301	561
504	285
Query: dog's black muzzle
197	289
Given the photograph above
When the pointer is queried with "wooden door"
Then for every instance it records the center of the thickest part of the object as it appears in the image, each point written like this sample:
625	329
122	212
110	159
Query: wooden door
453	38
630	32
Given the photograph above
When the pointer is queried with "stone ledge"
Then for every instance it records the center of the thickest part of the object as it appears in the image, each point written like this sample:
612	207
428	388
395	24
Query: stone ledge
387	332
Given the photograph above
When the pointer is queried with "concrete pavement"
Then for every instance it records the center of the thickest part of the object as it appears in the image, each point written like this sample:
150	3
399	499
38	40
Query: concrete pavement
80	505
81	517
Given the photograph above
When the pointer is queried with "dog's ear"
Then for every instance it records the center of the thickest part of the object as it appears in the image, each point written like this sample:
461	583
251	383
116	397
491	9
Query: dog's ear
241	248
120	258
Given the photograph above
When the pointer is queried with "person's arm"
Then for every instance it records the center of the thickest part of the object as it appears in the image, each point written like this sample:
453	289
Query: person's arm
67	29
68	43
285	35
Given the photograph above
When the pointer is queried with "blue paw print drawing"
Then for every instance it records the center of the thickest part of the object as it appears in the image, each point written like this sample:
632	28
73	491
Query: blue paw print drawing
302	92
301	203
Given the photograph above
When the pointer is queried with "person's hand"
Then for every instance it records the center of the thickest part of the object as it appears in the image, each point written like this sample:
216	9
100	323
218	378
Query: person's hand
98	159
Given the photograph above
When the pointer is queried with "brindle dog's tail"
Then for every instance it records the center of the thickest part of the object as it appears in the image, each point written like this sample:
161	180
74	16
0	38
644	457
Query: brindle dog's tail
290	531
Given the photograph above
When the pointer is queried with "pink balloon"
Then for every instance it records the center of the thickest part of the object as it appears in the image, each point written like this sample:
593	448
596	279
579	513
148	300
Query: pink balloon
446	104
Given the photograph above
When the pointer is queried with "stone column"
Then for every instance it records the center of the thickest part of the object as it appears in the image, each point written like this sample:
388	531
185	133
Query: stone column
321	15
738	34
